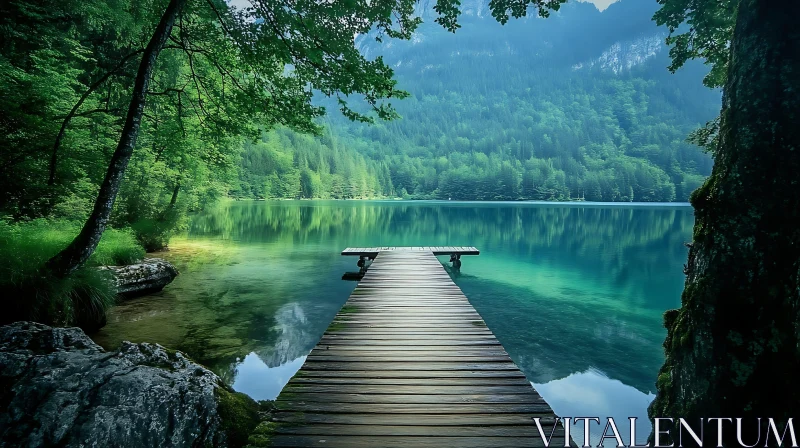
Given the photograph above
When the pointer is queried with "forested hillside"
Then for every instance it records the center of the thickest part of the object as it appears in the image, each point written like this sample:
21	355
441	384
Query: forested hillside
576	106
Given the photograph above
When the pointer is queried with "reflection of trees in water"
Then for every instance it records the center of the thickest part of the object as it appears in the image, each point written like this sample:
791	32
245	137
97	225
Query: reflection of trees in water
532	225
522	230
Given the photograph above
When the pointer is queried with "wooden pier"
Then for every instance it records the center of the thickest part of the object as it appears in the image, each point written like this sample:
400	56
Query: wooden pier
408	362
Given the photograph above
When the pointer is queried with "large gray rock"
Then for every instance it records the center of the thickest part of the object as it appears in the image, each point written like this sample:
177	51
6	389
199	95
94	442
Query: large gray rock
58	388
148	276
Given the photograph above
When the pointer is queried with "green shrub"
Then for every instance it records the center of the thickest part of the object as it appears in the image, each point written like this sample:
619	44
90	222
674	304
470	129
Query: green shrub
153	234
32	293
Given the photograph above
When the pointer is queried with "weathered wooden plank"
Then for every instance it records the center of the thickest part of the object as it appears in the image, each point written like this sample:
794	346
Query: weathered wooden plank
425	408
414	306
411	286
406	283
384	335
419	290
353	351
400	293
386	317
412	311
429	431
386	325
412	398
417	374
433	331
404	275
399	252
418	273
411	381
374	287
412	315
523	389
407	442
407	296
431	290
473	323
418	322
411	352
326	340
388	328
486	419
426	290
431	358
443	338
403	348
426	366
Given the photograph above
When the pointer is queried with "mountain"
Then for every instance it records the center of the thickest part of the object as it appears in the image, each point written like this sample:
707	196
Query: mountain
579	105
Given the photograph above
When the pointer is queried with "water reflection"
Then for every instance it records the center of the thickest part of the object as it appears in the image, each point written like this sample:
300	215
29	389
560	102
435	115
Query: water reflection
592	393
260	381
565	287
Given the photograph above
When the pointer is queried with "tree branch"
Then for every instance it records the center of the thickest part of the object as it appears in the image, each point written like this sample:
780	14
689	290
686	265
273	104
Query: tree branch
73	112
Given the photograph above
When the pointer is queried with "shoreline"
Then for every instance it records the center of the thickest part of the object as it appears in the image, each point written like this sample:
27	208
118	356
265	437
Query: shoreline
462	202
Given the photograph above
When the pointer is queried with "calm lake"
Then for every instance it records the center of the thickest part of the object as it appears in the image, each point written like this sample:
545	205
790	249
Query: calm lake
574	292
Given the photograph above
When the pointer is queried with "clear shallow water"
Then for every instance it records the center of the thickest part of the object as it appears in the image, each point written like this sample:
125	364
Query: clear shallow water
574	292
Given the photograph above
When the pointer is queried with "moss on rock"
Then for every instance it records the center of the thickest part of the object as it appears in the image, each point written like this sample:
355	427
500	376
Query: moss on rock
239	416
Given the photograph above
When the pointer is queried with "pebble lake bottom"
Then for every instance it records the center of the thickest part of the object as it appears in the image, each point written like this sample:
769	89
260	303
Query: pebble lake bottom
573	291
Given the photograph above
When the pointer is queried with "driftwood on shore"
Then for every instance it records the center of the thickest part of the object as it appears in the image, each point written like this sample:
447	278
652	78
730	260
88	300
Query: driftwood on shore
145	277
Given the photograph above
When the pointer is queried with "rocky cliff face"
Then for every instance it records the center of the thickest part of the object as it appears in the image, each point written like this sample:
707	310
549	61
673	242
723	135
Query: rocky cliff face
58	388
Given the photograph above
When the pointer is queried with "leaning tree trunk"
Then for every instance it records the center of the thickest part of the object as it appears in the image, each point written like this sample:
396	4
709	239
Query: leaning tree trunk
732	349
82	247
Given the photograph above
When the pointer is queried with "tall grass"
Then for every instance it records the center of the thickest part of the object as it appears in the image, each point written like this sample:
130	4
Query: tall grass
31	292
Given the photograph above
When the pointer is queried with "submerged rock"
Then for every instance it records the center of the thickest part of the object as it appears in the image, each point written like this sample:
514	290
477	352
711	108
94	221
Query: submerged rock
59	388
148	276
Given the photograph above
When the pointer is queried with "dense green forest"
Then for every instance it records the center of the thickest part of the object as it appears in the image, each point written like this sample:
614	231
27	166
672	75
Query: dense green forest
572	107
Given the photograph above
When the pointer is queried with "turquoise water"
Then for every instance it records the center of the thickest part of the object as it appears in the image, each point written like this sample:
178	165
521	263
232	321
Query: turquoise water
574	292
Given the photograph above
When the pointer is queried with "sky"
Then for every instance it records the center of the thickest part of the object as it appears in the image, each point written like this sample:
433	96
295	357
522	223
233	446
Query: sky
601	4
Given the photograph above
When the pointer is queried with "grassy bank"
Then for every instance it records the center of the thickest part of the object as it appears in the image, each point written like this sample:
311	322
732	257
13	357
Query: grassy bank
31	292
